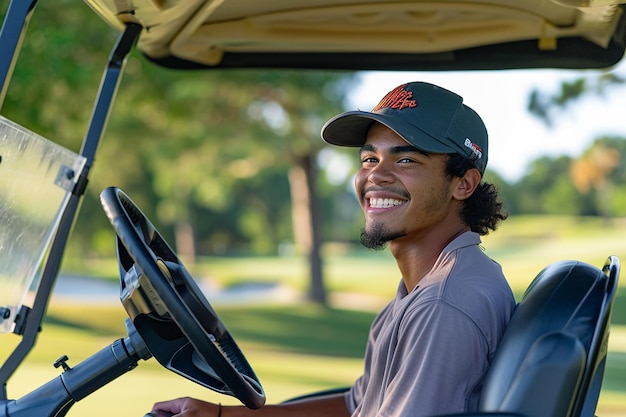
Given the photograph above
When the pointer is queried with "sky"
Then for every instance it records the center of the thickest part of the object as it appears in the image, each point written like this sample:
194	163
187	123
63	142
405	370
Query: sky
516	138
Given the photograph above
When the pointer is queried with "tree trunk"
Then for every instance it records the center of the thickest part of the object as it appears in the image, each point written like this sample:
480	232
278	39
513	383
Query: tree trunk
307	223
185	245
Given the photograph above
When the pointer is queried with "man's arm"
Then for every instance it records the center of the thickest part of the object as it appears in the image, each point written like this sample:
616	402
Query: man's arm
332	405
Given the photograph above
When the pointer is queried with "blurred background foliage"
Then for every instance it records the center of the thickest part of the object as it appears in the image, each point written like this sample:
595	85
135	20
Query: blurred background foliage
230	162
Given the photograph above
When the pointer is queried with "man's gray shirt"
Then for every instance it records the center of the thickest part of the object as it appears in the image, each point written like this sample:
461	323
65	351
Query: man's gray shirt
429	349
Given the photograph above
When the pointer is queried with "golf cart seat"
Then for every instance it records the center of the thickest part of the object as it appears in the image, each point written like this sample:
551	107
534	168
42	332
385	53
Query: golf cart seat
551	359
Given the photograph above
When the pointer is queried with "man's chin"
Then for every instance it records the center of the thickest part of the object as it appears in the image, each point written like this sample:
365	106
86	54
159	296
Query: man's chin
371	242
376	237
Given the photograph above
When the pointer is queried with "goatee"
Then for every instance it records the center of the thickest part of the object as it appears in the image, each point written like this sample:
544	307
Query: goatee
376	237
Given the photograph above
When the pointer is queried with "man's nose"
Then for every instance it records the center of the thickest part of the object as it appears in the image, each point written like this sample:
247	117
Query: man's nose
381	173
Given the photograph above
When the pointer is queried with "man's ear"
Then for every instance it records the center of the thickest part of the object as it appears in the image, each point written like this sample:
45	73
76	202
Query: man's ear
467	184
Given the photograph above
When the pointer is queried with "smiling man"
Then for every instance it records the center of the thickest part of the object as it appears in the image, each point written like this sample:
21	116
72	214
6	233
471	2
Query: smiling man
423	155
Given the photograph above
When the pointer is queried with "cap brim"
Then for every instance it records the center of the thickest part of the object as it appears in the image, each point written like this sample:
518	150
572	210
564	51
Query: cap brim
350	129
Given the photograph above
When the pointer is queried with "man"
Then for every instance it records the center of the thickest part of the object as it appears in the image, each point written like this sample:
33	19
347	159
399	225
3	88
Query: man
423	154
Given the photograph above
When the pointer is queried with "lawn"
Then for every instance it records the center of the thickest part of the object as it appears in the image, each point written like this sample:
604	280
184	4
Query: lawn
296	347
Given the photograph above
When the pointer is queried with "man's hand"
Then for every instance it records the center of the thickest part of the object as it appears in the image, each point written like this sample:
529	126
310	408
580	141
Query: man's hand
186	407
332	405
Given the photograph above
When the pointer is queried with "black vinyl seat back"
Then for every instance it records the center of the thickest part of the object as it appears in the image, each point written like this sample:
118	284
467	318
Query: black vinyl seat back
551	359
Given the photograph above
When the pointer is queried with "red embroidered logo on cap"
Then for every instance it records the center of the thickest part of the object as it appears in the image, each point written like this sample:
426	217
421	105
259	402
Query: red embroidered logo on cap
397	99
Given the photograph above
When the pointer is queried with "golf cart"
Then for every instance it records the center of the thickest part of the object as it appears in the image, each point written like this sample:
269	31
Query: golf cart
552	357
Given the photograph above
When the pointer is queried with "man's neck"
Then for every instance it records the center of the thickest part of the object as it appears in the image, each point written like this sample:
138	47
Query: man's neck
416	257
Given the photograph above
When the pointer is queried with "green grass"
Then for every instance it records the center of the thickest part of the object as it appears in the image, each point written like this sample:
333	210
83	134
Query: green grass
294	349
297	347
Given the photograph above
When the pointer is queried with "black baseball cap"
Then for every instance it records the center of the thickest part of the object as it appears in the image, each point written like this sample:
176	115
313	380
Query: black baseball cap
427	116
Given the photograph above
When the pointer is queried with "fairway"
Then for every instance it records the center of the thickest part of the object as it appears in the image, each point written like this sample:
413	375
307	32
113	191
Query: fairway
296	347
294	350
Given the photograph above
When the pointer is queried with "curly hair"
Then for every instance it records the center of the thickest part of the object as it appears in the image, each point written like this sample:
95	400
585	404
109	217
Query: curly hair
482	211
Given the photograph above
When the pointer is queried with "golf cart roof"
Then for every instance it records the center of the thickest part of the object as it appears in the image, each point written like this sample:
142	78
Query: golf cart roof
374	34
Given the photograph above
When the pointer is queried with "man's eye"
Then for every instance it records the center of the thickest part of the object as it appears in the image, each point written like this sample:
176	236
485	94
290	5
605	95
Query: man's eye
368	159
405	161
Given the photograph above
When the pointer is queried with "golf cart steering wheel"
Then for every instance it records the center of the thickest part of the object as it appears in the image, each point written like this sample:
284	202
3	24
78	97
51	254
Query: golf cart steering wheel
169	311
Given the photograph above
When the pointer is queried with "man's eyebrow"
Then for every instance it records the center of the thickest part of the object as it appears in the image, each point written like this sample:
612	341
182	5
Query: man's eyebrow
368	148
395	150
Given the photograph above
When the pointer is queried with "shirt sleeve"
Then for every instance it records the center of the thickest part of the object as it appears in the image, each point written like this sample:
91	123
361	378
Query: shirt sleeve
355	394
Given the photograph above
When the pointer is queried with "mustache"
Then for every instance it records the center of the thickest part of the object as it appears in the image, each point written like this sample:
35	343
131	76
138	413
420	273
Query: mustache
394	190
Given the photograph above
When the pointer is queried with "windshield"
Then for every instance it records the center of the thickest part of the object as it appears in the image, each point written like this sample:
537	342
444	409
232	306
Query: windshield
36	177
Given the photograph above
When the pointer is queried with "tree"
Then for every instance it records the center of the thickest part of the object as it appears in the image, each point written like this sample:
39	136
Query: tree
294	111
545	106
591	172
547	189
182	144
219	129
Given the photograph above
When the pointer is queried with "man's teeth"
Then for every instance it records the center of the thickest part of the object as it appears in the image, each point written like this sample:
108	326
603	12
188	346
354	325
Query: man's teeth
384	202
